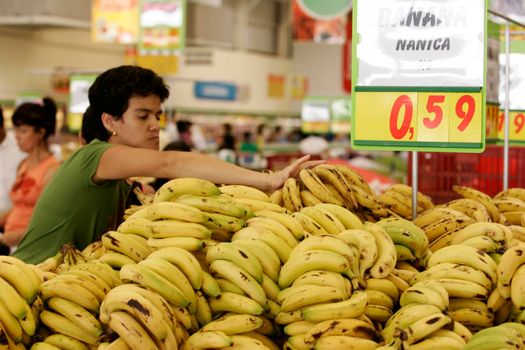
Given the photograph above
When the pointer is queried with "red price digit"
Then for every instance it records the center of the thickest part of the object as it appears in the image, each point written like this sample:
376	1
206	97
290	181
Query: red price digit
501	121
468	114
432	107
519	121
399	133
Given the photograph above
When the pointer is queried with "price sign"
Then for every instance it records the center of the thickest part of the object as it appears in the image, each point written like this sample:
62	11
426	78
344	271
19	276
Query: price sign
492	117
419	70
516	126
419	119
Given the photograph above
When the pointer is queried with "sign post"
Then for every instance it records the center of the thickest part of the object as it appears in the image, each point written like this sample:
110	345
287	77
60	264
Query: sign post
418	73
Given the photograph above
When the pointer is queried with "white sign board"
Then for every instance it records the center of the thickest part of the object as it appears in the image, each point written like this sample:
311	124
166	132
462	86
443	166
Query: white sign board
421	43
517	81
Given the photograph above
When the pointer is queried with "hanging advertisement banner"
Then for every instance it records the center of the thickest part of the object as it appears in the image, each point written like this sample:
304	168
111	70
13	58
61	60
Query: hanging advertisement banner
276	85
320	21
423	43
419	75
298	86
162	27
315	115
114	21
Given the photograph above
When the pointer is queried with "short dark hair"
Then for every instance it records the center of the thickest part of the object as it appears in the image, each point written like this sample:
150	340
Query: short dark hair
183	126
111	91
39	116
1	118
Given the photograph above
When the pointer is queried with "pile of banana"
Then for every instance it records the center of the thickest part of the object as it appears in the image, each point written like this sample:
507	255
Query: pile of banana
322	263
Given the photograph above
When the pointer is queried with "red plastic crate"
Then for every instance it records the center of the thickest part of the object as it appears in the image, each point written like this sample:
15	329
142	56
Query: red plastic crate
483	171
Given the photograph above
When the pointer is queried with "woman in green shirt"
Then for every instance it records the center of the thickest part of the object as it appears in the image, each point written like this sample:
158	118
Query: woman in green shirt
86	196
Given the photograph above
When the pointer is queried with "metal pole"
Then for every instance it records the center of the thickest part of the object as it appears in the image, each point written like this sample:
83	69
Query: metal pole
414	183
507	103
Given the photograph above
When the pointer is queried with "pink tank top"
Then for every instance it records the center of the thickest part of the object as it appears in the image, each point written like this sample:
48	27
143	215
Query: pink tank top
25	192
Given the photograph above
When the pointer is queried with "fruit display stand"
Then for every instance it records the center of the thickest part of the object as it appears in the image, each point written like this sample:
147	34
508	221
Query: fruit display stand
438	172
321	263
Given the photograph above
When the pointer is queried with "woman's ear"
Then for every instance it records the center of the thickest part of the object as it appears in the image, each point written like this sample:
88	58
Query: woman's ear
108	122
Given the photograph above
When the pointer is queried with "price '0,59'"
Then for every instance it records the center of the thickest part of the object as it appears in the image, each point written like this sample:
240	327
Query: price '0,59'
465	109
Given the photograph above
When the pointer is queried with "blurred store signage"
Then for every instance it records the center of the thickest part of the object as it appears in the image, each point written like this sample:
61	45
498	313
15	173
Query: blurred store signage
162	27
276	85
298	86
315	115
114	21
419	75
79	85
341	115
28	97
320	21
215	90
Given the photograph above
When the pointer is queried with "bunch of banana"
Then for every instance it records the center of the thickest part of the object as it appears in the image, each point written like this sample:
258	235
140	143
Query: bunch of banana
440	225
511	275
472	313
505	336
50	264
341	333
70	257
236	265
515	192
311	181
518	234
291	194
94	250
19	305
72	300
470	207
487	201
221	340
141	318
278	245
410	241
175	188
398	199
130	211
512	208
240	191
337	183
487	236
131	245
382	298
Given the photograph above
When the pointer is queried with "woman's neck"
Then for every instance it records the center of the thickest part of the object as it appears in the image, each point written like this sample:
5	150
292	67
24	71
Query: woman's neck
37	155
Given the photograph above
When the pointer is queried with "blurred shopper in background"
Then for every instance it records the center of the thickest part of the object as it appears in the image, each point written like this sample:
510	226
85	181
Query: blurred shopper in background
34	124
226	149
260	137
87	195
249	156
10	158
278	135
184	143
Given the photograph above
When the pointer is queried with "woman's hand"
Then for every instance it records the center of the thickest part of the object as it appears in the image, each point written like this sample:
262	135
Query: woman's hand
278	178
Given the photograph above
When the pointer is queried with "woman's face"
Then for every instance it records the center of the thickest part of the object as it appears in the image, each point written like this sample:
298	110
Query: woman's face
28	137
139	125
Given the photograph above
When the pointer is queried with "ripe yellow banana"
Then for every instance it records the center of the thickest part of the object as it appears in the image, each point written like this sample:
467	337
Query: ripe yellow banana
207	340
75	313
174	211
347	327
291	195
241	191
308	199
20	280
173	189
351	308
309	226
102	270
137	226
406	316
307	295
203	314
470	207
174	275
269	260
276	227
365	243
323	278
152	280
175	228
329	222
457	271
253	205
63	341
384	286
241	278
286	220
331	176
115	259
314	184
131	245
71	291
139	307
277	197
60	324
312	260
386	251
234	324
184	260
224	222
131	331
231	302
210	285
278	245
488	202
10	324
425	326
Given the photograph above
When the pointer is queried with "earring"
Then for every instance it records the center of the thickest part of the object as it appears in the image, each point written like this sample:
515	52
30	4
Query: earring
114	133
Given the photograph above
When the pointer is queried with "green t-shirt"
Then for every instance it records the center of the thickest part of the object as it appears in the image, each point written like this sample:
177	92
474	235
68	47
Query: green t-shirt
72	208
